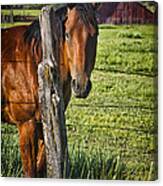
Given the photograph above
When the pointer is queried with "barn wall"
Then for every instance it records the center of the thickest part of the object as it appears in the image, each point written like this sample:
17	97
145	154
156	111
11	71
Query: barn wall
125	13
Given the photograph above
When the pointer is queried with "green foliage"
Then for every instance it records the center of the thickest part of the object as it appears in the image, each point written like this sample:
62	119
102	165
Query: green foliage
21	12
113	133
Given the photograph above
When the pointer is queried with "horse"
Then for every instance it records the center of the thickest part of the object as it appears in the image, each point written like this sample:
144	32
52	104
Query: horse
20	56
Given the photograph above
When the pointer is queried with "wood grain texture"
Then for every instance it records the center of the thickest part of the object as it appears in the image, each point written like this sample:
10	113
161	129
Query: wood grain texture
51	100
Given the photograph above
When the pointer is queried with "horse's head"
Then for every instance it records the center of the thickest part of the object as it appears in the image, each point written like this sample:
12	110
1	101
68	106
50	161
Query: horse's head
80	40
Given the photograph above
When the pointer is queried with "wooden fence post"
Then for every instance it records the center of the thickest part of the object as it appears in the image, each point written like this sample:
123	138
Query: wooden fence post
51	100
11	16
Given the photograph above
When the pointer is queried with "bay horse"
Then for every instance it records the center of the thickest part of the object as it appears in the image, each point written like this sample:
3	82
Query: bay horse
21	53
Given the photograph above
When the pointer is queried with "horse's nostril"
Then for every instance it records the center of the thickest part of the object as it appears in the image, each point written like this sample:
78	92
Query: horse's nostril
73	82
75	85
81	91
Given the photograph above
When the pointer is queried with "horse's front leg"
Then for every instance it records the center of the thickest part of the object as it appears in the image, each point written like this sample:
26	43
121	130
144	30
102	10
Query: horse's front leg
28	147
41	158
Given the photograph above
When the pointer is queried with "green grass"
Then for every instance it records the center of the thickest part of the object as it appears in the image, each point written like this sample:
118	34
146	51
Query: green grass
127	49
10	155
113	133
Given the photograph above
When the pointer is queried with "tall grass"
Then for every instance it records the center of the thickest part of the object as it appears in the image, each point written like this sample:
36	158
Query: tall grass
83	165
10	156
94	165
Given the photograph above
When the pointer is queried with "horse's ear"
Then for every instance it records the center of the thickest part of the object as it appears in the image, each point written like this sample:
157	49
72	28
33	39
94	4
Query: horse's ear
70	5
96	5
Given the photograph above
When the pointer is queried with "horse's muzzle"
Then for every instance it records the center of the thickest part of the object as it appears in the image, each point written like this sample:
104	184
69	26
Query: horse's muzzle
80	91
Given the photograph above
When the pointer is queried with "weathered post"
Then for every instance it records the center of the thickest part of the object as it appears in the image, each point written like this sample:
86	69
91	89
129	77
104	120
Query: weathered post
11	15
51	98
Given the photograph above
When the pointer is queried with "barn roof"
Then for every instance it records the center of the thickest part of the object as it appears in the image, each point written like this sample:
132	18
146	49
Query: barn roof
146	7
152	8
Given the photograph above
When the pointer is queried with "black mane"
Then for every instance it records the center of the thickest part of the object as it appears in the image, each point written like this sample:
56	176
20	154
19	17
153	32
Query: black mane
86	12
33	31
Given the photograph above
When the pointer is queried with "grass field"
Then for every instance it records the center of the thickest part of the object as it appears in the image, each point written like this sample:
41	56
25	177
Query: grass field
113	133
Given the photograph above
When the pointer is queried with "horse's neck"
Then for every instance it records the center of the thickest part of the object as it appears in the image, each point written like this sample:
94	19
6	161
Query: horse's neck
65	76
64	67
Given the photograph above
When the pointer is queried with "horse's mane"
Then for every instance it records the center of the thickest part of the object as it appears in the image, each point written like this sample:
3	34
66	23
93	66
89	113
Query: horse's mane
86	13
33	31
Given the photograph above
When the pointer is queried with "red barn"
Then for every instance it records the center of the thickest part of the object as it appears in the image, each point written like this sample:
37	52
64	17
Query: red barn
125	13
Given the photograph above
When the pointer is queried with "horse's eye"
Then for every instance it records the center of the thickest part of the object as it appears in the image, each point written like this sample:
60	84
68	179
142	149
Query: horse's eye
67	36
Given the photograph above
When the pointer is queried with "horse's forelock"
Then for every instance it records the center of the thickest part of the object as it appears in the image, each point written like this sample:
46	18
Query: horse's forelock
87	14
